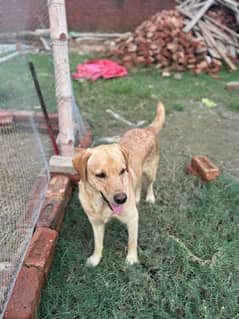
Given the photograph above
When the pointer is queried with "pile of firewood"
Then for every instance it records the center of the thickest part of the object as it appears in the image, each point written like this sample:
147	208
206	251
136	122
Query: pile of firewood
216	22
197	35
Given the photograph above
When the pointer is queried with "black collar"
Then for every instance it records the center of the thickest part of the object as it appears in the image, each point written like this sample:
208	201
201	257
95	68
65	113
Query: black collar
106	200
103	197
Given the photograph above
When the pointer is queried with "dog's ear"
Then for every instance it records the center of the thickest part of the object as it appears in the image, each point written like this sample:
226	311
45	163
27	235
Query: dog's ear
126	156
80	162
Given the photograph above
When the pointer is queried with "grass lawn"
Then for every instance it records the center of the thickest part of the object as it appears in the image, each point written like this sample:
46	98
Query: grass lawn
17	90
188	240
134	97
168	282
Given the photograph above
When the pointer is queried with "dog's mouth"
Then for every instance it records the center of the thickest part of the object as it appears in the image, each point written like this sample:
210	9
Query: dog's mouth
117	209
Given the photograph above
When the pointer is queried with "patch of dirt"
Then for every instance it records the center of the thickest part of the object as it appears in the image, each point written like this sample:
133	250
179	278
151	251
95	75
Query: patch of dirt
201	131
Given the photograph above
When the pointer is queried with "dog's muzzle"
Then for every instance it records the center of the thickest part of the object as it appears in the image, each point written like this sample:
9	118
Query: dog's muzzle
120	198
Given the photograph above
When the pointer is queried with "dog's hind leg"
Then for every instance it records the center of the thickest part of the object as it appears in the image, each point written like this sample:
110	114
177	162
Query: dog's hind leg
150	170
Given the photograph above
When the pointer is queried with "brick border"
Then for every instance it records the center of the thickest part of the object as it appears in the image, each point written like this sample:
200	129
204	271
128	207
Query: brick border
8	117
26	293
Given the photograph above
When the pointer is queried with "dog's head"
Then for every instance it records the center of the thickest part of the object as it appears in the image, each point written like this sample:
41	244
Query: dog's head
105	169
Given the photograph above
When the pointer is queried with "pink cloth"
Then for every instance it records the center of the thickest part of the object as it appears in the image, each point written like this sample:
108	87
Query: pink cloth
94	69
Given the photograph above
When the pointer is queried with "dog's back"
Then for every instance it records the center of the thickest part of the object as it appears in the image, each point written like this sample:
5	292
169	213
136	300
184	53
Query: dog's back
140	142
143	151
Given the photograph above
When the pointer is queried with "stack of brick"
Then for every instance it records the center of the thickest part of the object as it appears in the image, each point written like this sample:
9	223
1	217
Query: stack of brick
198	35
161	42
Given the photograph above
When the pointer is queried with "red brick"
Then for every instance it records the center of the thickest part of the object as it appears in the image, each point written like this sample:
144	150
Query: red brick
39	117
22	116
60	221
51	213
6	118
59	187
34	200
203	167
44	127
232	86
73	178
41	249
25	295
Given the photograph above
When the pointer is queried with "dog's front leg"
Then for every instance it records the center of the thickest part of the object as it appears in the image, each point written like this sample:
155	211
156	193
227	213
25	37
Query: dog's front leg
98	230
132	256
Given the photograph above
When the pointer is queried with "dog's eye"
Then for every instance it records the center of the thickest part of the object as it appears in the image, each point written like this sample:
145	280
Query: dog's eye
100	175
122	171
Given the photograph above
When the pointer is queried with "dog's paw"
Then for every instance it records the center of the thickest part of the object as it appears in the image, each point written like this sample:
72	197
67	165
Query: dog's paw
138	195
93	261
137	200
131	260
150	198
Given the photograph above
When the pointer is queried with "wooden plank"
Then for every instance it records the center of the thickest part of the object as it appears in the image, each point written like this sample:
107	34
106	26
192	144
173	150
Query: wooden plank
220	35
201	12
222	26
212	51
217	47
63	88
207	34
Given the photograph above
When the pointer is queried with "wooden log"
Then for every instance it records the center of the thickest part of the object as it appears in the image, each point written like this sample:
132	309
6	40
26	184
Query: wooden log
28	35
212	41
198	16
218	34
221	26
221	52
58	27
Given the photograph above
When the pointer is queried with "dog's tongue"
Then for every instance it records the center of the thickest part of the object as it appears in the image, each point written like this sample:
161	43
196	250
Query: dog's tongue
117	209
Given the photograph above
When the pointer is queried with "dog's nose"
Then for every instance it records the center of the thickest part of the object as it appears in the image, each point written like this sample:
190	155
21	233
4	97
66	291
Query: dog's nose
120	198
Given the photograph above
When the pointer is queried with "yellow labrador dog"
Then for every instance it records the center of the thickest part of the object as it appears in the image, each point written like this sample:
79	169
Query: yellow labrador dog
111	177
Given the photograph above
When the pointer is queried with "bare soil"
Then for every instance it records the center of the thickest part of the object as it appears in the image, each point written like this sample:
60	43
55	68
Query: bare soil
202	131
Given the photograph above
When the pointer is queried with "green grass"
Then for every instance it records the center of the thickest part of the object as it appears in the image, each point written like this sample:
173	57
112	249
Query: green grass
167	283
132	96
17	90
135	96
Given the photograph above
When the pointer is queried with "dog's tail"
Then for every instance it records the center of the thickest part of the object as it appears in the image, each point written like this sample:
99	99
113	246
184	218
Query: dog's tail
158	122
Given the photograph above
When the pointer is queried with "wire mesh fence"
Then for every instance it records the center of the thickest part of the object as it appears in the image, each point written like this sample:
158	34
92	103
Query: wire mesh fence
24	148
24	176
23	159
